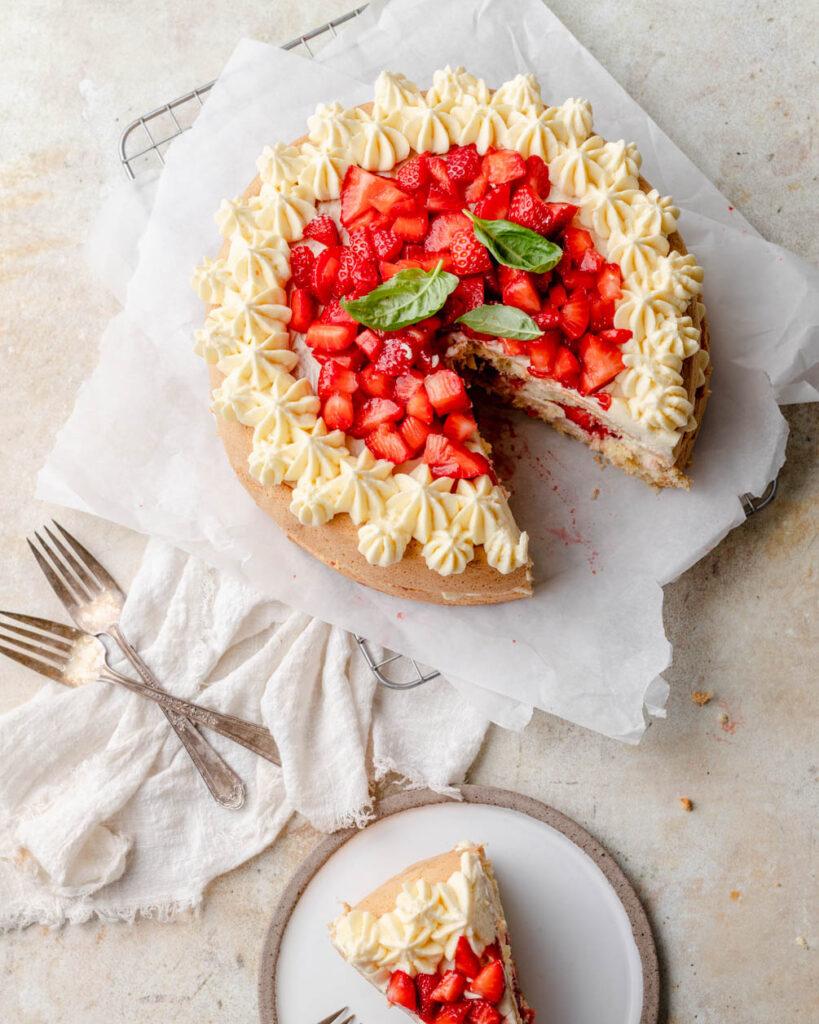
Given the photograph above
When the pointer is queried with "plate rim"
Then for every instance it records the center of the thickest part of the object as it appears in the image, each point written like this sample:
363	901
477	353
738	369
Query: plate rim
495	797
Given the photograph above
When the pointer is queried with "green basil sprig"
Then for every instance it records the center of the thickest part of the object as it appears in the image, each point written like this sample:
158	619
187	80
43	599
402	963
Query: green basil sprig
407	297
516	246
501	322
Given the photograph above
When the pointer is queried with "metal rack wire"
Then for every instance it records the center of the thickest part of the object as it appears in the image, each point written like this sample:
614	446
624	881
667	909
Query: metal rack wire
142	146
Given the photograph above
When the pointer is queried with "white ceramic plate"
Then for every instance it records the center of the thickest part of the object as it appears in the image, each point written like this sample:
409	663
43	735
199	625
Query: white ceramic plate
579	934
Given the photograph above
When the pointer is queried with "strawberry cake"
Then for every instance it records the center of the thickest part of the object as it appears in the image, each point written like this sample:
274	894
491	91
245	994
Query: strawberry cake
407	251
434	940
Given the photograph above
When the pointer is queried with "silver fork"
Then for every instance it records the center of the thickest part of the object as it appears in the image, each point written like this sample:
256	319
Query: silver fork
94	601
75	658
335	1018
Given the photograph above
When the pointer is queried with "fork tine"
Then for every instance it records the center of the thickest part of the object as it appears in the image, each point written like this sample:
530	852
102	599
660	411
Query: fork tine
89	561
41	650
333	1018
33	663
45	640
69	632
93	586
60	589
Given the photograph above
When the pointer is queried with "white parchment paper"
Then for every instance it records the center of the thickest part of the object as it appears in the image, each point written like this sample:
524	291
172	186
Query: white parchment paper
141	447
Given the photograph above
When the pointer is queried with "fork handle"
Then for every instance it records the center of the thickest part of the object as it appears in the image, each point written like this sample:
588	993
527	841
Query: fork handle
224	784
254	737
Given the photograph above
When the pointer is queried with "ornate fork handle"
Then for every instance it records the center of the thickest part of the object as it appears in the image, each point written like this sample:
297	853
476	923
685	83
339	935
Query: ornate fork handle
224	784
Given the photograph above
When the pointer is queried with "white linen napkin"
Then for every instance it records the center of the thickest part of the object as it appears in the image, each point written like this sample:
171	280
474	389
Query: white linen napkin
102	812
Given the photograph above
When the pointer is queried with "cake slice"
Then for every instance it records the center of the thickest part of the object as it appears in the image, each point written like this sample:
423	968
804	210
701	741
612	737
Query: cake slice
434	940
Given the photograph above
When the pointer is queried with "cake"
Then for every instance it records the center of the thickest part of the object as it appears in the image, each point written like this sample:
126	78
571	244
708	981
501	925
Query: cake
407	251
434	940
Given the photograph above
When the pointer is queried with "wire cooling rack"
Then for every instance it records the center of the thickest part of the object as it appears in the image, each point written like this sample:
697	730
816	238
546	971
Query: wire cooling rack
142	147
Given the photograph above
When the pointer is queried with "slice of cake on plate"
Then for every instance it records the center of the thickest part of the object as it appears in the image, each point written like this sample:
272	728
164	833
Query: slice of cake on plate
434	940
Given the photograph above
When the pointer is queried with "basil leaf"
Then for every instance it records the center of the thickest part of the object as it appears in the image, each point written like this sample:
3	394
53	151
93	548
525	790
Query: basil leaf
501	322
516	246
407	297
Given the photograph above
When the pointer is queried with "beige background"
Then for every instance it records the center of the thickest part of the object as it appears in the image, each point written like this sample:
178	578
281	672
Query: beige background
730	887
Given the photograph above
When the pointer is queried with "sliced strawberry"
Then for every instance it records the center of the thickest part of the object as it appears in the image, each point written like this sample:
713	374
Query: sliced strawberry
574	316
592	262
334	377
401	990
495	204
301	266
463	163
558	215
529	210
322	229
373	412
325	271
443	228
576	242
454	1013
330	337
585	420
414	174
542	354
602	360
451	987
477	190
396	356
460	463
609	281
386	244
411	228
376	384
466	960
468	255
601	314
427	1007
566	369
338	411
362	191
537	176
518	289
369	343
459	426
446	392
505	165
482	1012
490	982
603	399
415	433
334	313
618	336
385	442
303	307
420	407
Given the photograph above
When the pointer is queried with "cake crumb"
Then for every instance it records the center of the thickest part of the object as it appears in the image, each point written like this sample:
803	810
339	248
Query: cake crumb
723	718
735	894
701	697
687	805
802	942
595	494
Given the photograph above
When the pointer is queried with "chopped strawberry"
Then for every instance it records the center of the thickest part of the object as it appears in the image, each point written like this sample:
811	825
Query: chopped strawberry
558	215
549	316
505	165
491	952
495	204
477	190
543	282
463	163
411	251
350	358
362	191
330	337
468	295
369	343
490	982
459	426
439	201
303	307
618	336
482	1012
407	385
376	384
386	244
558	296
446	392
427	1007
603	398
466	960
401	990
468	255
438	450
325	271
361	243
334	377
420	407
454	1013
537	176
463	464
518	289
542	354
396	357
513	347
576	242
414	174
609	281
373	412
338	411
388	270
566	369
601	314
573	279
385	442
443	228
415	432
592	262
411	228
334	313
322	229
428	361
439	169
348	265
574	316
301	265
602	360
450	988
529	210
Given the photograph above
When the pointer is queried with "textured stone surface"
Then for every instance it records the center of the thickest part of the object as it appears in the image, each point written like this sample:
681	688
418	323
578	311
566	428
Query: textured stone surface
731	885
